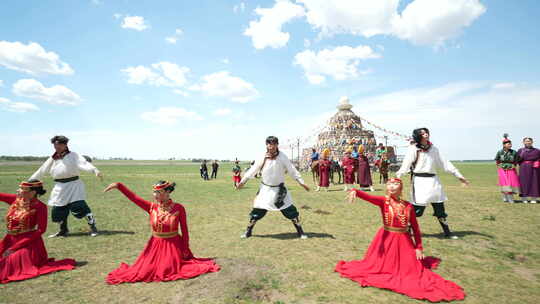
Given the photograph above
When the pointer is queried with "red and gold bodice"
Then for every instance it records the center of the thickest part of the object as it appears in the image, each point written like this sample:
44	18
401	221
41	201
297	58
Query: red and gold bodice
348	163
324	165
396	213
164	218
21	217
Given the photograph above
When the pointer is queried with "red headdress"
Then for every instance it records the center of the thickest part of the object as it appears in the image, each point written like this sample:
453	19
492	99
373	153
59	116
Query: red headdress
30	185
158	187
506	139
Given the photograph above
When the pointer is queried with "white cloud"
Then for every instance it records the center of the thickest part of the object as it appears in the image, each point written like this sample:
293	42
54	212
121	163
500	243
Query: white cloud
57	94
504	85
159	74
135	22
31	59
174	38
239	7
97	2
222	84
340	63
222	112
307	43
431	22
267	31
424	22
180	92
169	115
225	61
20	107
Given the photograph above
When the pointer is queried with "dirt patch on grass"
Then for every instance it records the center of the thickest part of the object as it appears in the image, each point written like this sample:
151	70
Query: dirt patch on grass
238	281
526	273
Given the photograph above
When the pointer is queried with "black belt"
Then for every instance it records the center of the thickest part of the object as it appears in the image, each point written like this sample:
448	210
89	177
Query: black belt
66	180
424	174
272	185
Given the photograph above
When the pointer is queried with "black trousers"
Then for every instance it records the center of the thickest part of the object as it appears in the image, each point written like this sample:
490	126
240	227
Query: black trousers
438	210
214	174
79	209
290	212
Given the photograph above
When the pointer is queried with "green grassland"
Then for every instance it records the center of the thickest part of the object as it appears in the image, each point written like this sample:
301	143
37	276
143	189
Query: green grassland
496	259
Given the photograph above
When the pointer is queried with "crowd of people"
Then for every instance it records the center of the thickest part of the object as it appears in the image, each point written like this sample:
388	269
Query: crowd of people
395	259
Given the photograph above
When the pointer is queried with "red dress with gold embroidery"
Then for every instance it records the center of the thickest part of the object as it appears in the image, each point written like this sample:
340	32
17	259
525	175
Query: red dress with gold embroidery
167	256
29	257
390	261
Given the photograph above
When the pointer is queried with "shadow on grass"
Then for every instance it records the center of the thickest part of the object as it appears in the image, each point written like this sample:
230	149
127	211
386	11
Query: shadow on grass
460	234
293	235
80	263
101	233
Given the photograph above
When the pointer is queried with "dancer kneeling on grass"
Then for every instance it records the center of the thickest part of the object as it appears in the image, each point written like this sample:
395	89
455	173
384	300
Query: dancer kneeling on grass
393	261
22	251
167	256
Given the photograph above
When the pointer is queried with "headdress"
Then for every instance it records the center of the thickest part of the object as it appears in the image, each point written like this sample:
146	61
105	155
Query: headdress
506	139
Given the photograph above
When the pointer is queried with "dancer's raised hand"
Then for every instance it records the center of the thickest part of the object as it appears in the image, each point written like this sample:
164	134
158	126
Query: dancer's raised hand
464	182
110	187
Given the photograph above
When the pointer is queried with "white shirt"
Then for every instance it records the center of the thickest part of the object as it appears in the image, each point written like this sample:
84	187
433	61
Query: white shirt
274	171
428	162
69	166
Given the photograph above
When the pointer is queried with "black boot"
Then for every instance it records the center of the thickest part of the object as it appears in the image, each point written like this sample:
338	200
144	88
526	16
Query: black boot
447	233
299	230
92	223
249	229
63	232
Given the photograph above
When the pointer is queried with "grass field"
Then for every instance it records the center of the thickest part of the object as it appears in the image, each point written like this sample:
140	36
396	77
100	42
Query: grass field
496	259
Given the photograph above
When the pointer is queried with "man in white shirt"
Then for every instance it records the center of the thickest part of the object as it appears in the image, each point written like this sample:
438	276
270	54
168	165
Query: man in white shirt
68	193
422	160
273	194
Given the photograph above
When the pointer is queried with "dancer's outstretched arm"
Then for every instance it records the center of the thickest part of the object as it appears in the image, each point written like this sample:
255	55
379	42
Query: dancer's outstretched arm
9	198
375	200
145	205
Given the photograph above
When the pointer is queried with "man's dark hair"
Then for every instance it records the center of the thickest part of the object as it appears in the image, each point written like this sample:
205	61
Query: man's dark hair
61	139
417	135
272	140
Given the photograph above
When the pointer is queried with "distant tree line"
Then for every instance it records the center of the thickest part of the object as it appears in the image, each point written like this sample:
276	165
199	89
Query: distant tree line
23	158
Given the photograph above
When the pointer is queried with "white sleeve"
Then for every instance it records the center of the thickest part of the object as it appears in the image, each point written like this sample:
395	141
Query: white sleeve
252	171
446	165
44	169
84	165
292	170
410	156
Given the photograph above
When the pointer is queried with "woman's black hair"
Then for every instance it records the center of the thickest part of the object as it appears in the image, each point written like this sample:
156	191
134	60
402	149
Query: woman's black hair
524	139
39	190
170	188
417	135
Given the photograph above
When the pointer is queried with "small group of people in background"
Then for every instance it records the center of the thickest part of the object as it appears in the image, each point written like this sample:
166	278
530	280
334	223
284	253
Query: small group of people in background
204	170
527	181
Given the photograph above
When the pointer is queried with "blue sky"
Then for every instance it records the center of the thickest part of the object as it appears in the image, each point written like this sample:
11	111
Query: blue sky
159	79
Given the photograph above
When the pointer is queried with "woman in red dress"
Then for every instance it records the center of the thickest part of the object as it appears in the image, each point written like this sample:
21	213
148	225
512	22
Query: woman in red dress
348	169
167	256
22	251
393	261
324	170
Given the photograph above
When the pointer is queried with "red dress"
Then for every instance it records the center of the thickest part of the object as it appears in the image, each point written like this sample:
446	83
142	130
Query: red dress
29	257
167	256
324	172
390	261
348	169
